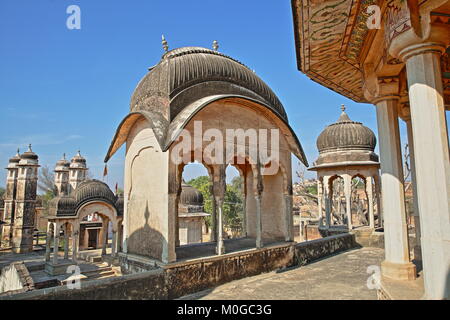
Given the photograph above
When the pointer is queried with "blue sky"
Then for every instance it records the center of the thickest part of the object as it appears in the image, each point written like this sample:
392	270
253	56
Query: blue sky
64	90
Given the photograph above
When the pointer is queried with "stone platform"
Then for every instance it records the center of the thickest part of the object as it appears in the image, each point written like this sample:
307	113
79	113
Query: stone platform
340	277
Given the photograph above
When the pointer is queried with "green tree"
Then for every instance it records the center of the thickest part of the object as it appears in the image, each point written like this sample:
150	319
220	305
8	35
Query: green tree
2	192
232	208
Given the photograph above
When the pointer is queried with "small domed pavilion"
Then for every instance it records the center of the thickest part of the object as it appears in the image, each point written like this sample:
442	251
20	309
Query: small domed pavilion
191	215
84	210
347	159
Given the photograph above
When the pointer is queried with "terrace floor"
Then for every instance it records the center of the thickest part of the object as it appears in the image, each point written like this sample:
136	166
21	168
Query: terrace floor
340	277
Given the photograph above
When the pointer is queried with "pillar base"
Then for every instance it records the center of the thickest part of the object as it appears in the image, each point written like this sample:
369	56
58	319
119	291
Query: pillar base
398	271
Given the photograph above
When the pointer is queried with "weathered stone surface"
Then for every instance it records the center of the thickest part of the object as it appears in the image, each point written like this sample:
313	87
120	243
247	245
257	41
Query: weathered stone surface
182	278
341	277
142	286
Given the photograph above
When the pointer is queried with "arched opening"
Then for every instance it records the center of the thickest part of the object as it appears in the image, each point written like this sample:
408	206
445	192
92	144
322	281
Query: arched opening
233	207
195	219
359	201
95	231
338	215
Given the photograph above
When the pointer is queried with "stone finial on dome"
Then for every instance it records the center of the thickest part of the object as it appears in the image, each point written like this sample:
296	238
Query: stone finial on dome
344	116
215	45
164	43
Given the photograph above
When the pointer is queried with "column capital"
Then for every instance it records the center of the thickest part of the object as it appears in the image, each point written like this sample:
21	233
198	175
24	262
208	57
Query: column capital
380	88
421	48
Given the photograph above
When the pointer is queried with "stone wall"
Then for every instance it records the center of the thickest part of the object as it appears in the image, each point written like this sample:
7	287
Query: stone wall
182	278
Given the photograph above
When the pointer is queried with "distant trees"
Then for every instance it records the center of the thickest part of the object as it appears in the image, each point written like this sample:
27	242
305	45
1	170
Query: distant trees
233	202
2	192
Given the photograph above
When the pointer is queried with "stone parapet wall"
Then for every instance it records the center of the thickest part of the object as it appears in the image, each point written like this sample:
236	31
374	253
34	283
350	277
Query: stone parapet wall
182	278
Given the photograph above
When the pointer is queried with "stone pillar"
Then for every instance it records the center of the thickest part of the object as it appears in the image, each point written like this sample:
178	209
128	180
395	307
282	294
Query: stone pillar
66	241
379	203
288	216
56	227
244	205
327	197
417	248
114	243
48	241
396	264
220	248
177	220
75	242
319	201
259	242
370	201
105	235
213	215
219	188
432	163
348	199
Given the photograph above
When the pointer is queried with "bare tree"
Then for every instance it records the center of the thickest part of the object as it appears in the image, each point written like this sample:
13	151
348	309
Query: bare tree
46	180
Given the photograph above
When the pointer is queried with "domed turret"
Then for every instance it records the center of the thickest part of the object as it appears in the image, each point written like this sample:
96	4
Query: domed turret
91	190
346	134
62	164
346	141
28	157
78	161
182	68
188	79
13	161
190	196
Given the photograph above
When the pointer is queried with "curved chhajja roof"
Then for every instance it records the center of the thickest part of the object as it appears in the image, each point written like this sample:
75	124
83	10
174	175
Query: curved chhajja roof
185	81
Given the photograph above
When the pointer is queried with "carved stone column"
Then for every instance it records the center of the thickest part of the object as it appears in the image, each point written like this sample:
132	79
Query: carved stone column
219	185
105	235
258	190
319	200
48	241
327	198
56	227
397	263
370	201
348	199
66	241
432	163
288	215
75	242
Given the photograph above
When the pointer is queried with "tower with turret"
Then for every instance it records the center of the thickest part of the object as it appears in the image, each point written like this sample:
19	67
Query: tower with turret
62	176
77	171
25	203
9	201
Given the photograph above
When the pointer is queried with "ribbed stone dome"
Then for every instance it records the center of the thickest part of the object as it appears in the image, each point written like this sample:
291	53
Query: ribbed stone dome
346	134
29	154
91	190
190	196
209	71
16	158
63	205
78	158
120	205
